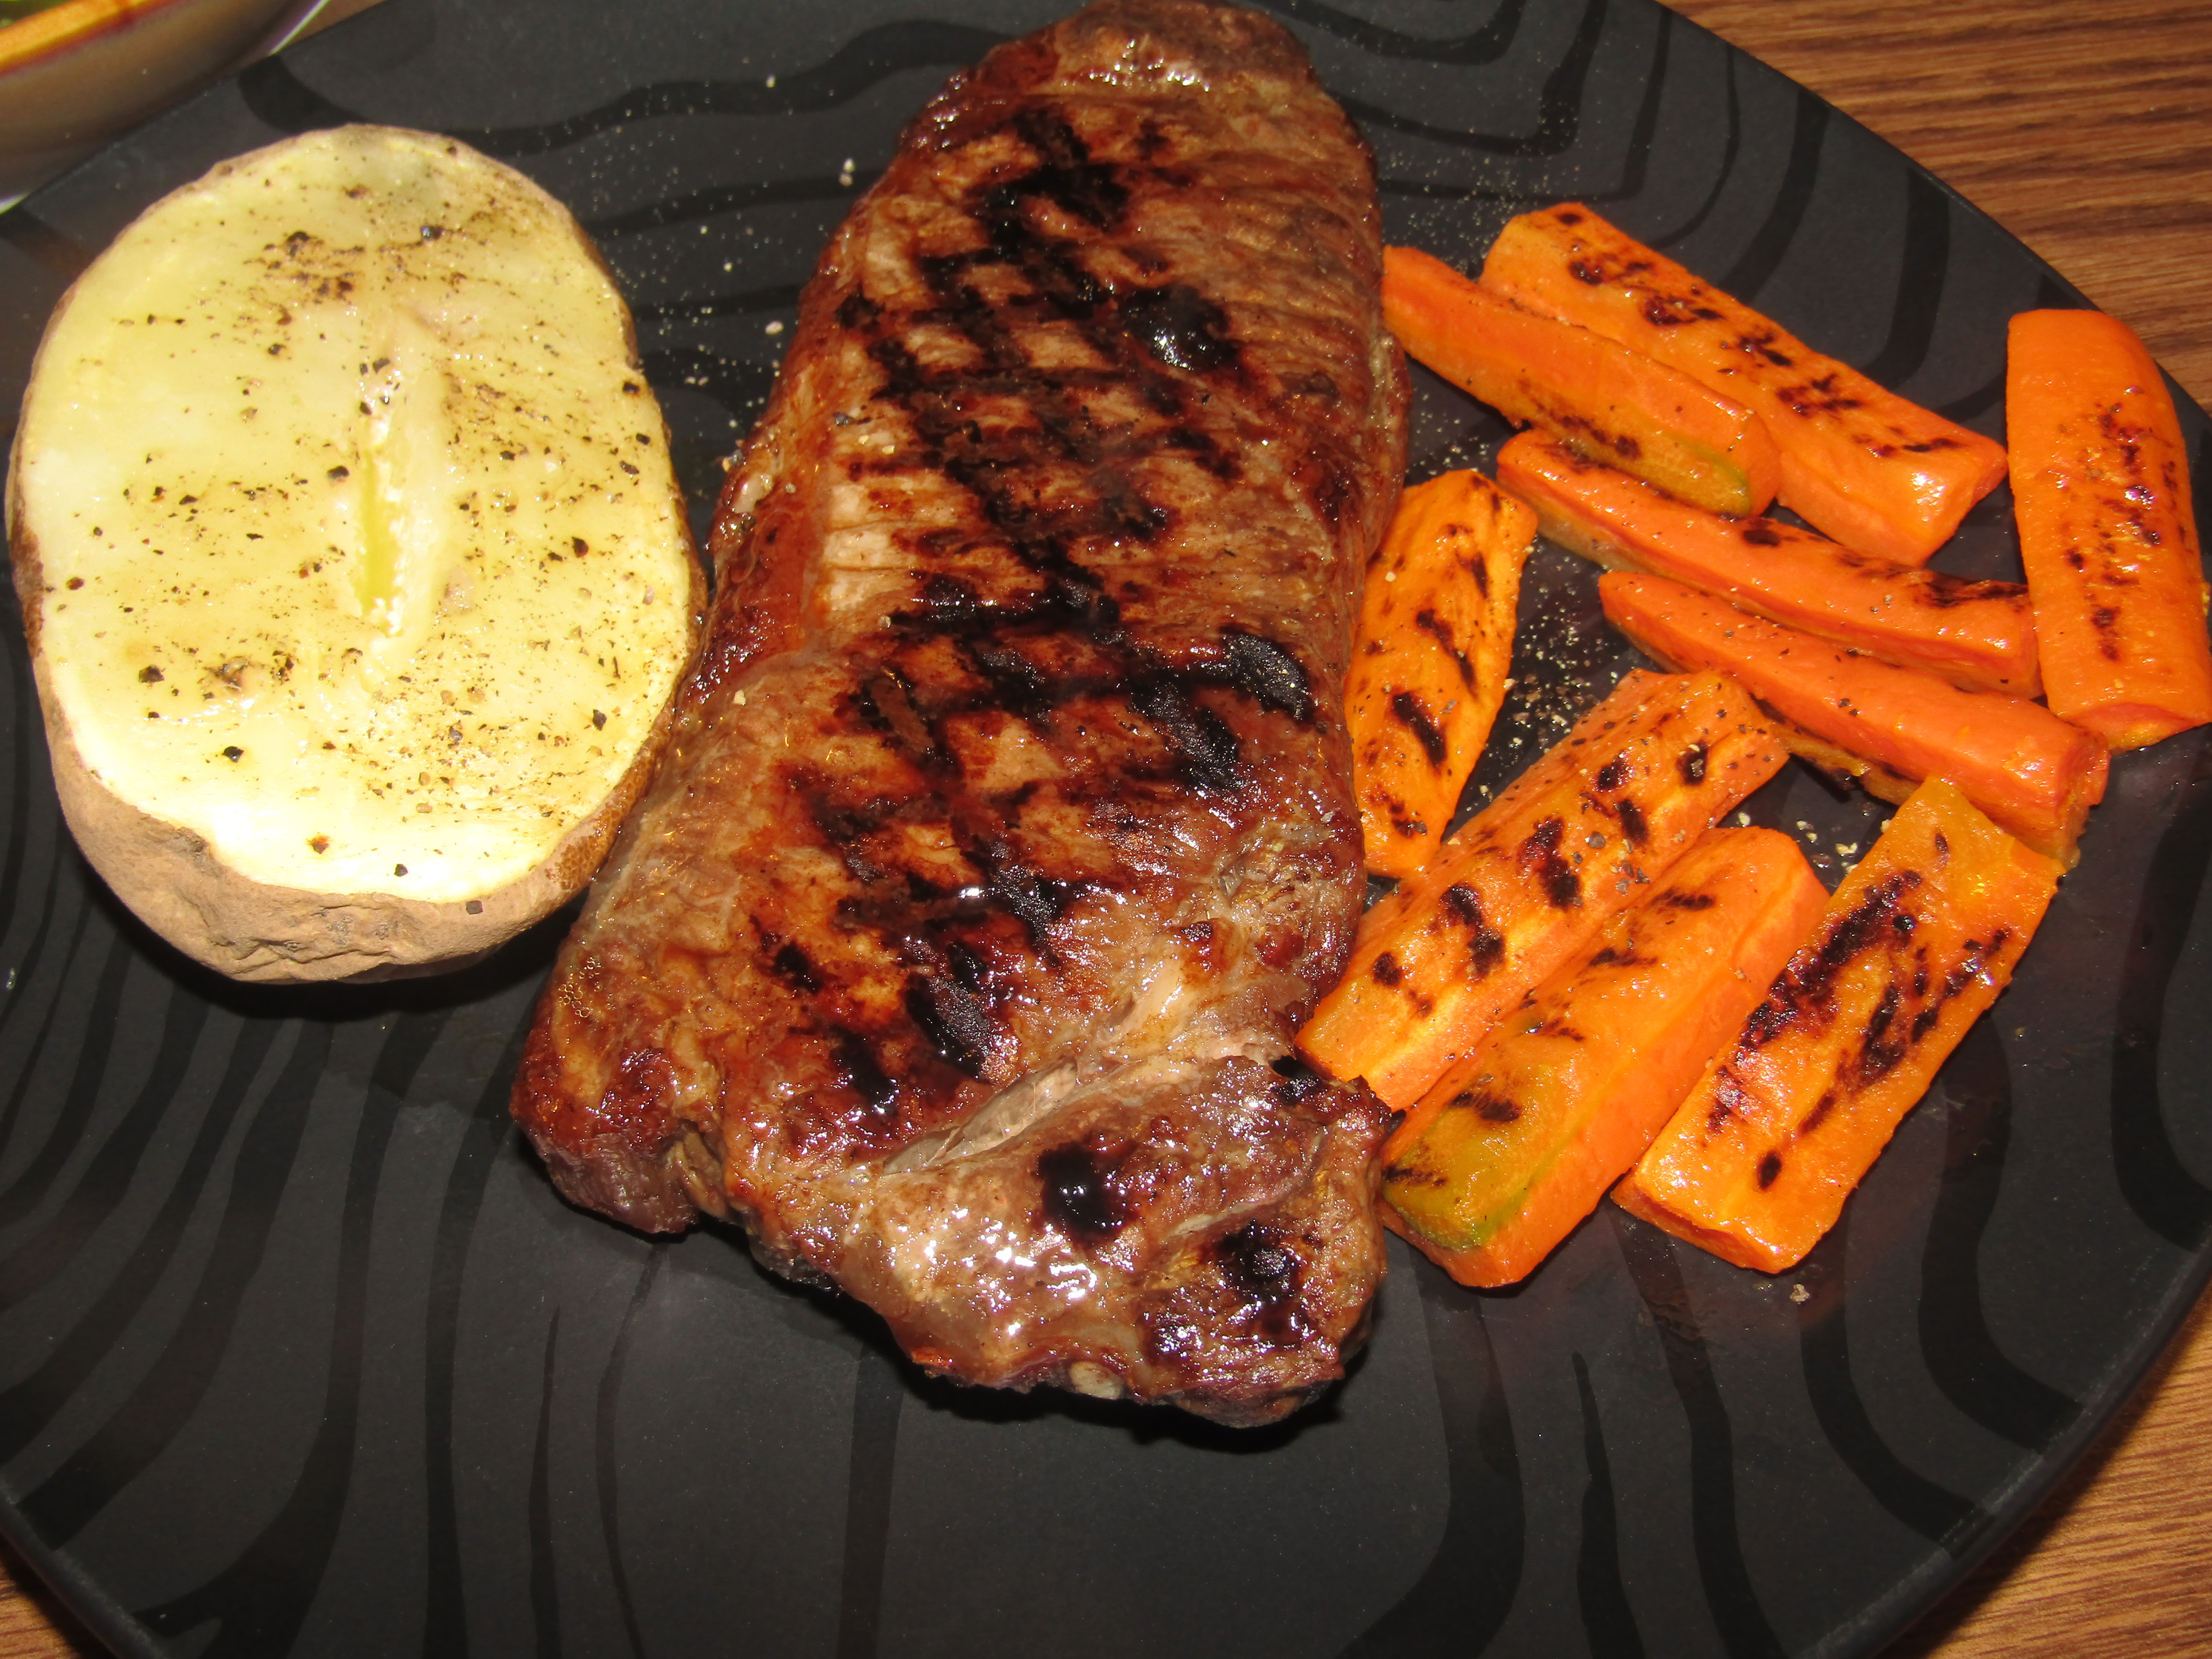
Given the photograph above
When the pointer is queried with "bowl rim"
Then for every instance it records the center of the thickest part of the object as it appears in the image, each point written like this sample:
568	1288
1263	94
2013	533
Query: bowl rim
47	34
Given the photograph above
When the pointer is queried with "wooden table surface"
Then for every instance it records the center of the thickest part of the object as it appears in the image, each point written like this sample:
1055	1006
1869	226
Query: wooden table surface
2085	128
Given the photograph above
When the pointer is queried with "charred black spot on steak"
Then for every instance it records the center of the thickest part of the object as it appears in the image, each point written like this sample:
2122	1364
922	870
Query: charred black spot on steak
1268	673
1015	683
955	1022
1069	178
1078	1193
1300	1083
949	604
1205	748
1180	327
842	822
859	1071
1258	1267
845	824
1123	513
792	965
1038	901
1202	448
887	703
1329	487
969	966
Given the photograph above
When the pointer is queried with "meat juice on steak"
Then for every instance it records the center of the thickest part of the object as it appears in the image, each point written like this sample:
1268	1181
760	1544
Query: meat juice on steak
1007	833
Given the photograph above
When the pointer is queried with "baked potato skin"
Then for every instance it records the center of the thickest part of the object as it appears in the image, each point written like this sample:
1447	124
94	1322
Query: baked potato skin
176	881
264	934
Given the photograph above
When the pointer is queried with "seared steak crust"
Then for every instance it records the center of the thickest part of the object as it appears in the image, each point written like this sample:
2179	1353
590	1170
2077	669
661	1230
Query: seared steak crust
1007	832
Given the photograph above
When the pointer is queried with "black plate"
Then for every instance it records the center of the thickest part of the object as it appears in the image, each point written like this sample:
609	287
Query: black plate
298	1350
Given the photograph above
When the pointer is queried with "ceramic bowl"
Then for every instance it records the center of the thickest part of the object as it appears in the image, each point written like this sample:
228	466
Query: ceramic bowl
74	76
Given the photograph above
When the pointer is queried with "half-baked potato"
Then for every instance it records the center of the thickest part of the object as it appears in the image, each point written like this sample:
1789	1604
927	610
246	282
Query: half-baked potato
355	570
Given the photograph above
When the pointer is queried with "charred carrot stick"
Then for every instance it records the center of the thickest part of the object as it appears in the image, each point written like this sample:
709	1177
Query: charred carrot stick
1889	727
1587	390
1877	472
2100	489
1917	941
1518	1142
1429	661
1978	633
1509	898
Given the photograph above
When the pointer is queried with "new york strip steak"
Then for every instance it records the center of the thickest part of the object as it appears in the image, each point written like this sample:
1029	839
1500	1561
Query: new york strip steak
1007	834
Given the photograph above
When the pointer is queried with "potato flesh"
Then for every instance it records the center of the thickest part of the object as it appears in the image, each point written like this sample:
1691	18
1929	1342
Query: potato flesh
362	554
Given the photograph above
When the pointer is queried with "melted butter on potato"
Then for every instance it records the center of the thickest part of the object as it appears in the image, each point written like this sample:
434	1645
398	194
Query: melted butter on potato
360	554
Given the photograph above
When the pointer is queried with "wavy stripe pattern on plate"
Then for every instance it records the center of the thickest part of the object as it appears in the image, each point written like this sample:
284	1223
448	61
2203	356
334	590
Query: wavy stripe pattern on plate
299	1352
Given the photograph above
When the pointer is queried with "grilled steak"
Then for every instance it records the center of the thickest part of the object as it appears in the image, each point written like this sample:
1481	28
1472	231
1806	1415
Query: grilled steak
1007	832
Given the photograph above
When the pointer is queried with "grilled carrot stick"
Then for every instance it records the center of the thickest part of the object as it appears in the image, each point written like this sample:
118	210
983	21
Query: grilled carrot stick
1917	941
1509	897
1978	633
1592	392
1430	662
1889	727
1875	472
1518	1142
2100	489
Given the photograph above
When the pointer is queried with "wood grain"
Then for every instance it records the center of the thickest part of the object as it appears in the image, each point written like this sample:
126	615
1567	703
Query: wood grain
2085	128
33	1624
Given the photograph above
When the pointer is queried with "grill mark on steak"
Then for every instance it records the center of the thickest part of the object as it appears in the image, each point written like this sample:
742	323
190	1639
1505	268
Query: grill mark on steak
1265	1271
1007	834
1175	326
1078	1193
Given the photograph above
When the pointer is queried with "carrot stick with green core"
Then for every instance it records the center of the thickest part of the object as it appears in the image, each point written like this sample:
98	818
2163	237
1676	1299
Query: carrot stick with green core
1976	634
1585	389
1429	661
1877	472
2107	531
1568	843
1888	727
1517	1144
1916	943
